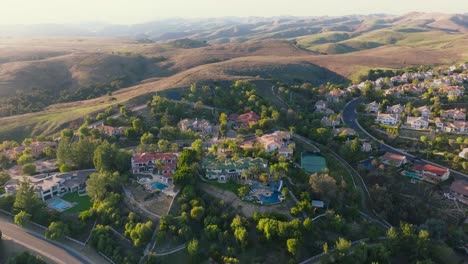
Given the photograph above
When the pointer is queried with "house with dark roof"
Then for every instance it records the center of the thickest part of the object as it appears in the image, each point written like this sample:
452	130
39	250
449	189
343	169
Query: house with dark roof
49	186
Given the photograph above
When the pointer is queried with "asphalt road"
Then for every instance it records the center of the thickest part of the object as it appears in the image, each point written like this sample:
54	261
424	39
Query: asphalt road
32	241
350	119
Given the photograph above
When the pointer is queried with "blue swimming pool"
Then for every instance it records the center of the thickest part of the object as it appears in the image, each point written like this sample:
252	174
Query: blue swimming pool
59	204
367	164
272	199
412	175
159	186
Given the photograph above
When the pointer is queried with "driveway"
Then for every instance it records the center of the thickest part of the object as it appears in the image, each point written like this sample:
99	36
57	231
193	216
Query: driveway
32	241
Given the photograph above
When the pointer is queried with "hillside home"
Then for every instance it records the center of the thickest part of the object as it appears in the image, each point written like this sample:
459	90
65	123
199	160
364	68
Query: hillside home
278	140
431	173
461	127
417	122
335	95
379	83
425	111
112	131
459	189
366	146
373	107
162	164
329	121
464	153
439	123
243	120
321	105
393	159
455	114
452	90
392	92
450	127
201	126
223	170
398	79
57	184
387	119
395	109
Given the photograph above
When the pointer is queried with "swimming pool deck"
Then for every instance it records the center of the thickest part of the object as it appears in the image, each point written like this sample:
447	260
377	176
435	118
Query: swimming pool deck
51	203
154	178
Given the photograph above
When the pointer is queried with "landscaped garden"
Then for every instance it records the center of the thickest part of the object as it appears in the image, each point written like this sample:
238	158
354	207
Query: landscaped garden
82	203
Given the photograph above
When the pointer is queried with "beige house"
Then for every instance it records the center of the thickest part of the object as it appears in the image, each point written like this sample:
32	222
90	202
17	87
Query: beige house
393	159
387	119
417	122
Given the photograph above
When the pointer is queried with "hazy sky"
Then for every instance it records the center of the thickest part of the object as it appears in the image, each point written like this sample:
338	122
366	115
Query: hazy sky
137	11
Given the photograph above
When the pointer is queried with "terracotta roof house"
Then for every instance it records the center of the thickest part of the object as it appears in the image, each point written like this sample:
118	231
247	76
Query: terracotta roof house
244	120
452	90
393	159
461	126
335	95
431	172
278	140
460	190
163	164
455	114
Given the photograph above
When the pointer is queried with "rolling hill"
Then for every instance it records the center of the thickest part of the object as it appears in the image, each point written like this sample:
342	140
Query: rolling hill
62	79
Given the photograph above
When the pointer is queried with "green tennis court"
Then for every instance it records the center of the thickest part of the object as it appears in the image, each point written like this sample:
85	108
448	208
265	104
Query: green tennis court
313	163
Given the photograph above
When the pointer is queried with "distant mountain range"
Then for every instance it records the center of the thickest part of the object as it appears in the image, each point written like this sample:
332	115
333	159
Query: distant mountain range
235	30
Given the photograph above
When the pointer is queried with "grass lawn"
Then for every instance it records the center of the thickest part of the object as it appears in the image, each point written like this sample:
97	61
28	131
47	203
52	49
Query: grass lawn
229	186
83	202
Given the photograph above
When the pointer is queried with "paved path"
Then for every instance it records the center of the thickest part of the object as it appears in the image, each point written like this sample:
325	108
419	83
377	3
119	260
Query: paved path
350	119
177	249
34	242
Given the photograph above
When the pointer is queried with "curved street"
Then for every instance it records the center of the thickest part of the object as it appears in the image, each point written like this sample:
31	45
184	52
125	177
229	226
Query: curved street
350	119
32	241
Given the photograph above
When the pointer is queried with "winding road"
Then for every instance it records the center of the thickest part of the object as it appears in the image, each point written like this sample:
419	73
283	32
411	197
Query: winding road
350	117
35	242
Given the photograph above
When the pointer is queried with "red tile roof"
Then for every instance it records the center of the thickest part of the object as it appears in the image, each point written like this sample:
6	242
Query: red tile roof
430	168
146	157
391	156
